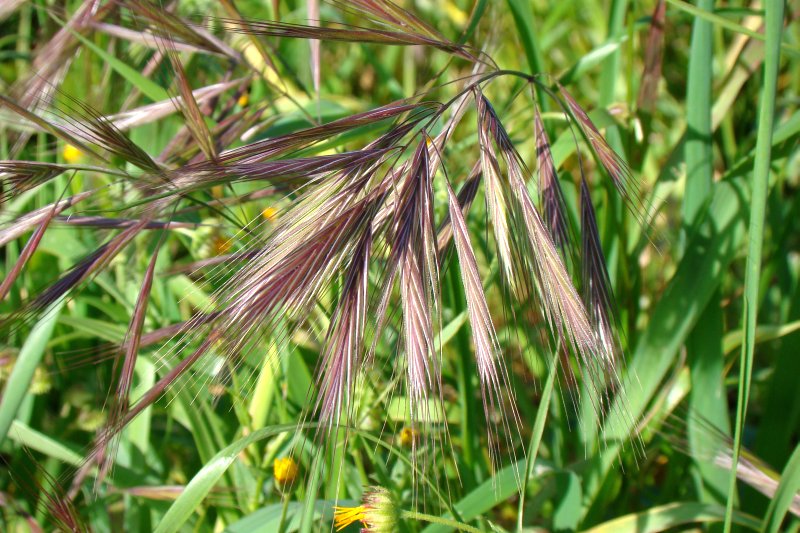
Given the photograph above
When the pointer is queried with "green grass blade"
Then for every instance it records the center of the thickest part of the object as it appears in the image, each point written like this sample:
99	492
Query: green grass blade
786	493
536	436
670	516
728	24
705	357
697	149
29	358
208	476
148	87
25	435
521	11
312	488
758	204
487	495
764	333
592	59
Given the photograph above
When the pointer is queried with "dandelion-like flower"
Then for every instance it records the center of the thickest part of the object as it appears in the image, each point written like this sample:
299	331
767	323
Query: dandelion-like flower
378	512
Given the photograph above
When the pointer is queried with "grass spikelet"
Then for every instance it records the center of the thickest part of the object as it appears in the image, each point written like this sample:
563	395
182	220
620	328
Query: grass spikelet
551	197
495	200
491	368
342	358
560	304
597	292
614	165
415	253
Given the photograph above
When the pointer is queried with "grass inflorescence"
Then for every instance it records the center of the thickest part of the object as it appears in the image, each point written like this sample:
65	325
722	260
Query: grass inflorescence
418	266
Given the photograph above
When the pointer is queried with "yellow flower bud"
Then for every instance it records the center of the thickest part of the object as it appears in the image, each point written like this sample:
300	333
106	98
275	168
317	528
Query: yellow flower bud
243	100
269	213
72	154
407	436
285	471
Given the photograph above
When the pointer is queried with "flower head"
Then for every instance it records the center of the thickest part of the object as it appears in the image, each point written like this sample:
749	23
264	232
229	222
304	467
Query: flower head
378	512
269	213
407	436
243	100
285	471
72	154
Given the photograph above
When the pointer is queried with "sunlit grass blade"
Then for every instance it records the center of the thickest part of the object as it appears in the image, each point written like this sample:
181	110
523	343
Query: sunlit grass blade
755	232
30	356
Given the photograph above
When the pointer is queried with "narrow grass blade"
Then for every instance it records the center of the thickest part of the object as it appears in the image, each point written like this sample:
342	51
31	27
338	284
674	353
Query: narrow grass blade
670	516
703	345
489	494
786	496
148	87
26	436
208	476
729	24
536	436
758	204
521	12
29	358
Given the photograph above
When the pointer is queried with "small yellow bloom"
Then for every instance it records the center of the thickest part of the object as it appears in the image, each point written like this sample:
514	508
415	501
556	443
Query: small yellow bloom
344	516
72	154
217	191
285	471
269	213
508	512
456	15
407	436
378	512
243	100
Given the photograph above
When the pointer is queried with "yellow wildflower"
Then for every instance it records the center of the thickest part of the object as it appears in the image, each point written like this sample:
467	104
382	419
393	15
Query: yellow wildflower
243	100
269	213
72	154
377	512
407	436
285	471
